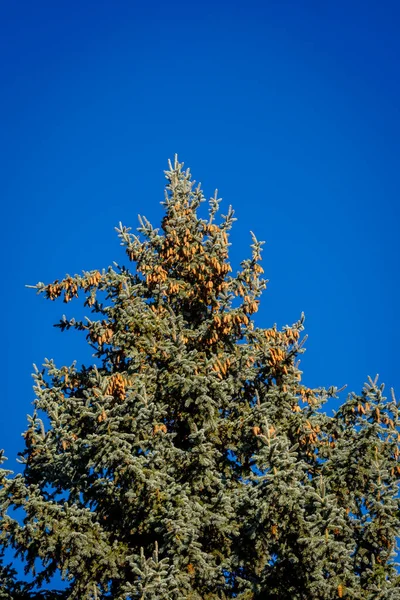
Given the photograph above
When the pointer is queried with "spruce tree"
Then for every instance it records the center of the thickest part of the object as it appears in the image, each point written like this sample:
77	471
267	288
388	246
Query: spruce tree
190	460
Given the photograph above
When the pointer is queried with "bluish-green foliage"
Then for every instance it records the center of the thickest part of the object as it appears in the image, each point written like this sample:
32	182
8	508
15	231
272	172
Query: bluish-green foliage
192	462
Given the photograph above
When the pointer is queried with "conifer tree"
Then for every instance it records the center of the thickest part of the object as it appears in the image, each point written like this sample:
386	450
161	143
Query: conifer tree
190	460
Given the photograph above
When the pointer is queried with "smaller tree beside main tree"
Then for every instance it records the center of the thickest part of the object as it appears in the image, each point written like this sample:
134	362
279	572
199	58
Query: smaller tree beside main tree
190	461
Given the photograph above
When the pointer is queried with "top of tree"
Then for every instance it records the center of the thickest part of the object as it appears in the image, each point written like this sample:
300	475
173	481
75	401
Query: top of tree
191	461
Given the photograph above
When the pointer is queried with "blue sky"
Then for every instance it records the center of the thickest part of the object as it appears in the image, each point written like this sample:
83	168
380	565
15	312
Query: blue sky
290	109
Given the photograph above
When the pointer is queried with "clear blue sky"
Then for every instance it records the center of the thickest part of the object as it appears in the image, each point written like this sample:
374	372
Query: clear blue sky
291	109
